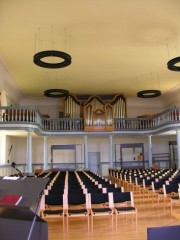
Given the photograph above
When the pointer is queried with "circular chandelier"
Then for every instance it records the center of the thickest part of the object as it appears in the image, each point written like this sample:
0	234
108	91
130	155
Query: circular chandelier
149	94
172	64
56	93
52	53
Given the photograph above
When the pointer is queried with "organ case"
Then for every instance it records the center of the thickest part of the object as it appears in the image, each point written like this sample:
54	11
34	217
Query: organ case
98	112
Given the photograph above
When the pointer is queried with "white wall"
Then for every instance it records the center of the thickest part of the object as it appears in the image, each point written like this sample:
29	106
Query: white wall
2	148
50	106
135	106
99	144
20	148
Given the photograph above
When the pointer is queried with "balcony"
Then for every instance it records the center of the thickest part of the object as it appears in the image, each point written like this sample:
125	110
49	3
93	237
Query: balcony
30	119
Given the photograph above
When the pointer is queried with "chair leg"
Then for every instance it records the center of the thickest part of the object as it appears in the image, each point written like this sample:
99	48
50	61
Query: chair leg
136	219
112	221
65	224
115	221
111	218
171	205
91	222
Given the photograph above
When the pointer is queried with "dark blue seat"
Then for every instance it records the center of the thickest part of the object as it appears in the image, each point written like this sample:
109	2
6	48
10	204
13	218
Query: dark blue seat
77	206
100	206
113	189
54	205
54	199
124	204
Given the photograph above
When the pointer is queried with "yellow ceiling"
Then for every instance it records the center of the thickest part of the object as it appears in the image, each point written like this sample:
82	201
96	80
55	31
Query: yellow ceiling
117	46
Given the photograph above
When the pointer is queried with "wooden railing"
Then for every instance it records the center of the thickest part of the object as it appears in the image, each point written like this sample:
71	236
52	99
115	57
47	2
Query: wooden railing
30	115
63	124
167	117
20	114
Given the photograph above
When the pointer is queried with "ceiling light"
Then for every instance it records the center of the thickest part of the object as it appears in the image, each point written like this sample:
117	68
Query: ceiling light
171	64
56	93
149	94
52	53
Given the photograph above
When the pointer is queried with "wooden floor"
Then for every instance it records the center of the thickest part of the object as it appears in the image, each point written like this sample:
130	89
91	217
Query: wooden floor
149	215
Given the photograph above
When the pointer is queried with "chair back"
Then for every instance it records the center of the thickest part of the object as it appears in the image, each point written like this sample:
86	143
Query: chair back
54	199
75	199
113	189
94	190
98	198
123	197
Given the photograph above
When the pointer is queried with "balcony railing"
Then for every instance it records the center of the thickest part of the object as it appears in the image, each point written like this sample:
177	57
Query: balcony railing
20	114
167	117
63	124
25	116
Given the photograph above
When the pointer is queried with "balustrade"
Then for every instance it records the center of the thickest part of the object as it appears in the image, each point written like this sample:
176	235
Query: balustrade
63	124
29	115
20	114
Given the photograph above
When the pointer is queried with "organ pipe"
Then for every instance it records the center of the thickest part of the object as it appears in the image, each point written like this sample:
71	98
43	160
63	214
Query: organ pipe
96	110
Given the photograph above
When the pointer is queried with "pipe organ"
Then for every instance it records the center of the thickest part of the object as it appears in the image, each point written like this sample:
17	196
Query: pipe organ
72	107
119	106
99	114
98	111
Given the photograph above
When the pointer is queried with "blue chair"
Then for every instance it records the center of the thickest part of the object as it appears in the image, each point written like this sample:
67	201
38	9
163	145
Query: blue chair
100	205
123	203
76	205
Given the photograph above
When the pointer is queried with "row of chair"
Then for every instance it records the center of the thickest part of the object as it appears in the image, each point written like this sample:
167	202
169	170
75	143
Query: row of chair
92	205
165	188
163	185
88	203
137	175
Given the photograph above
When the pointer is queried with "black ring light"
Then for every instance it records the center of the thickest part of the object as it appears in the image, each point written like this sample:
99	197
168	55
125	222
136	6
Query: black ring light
56	93
52	53
171	64
149	94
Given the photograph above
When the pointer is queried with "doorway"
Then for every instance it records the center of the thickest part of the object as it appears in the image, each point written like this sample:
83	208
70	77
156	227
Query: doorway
94	162
132	155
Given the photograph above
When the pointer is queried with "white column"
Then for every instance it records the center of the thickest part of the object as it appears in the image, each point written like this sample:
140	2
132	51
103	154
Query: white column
85	152
45	167
110	152
178	147
2	148
150	151
29	153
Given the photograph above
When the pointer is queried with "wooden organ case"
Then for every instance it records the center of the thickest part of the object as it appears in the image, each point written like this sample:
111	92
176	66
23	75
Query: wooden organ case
98	112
